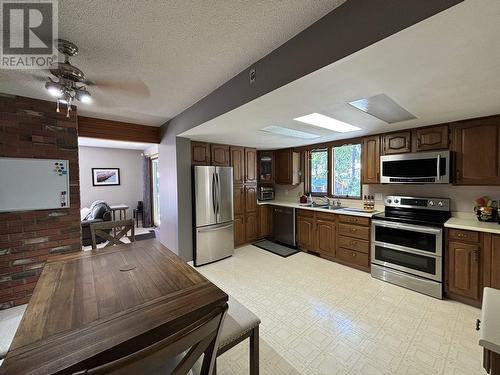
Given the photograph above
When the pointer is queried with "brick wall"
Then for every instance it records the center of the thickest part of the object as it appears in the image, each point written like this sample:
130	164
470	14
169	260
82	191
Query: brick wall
31	128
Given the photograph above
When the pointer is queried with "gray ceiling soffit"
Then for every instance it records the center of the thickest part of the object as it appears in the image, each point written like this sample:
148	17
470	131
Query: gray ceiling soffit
349	28
383	108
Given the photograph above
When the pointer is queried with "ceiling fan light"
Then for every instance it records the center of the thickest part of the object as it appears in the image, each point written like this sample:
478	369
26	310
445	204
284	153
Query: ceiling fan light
54	89
83	96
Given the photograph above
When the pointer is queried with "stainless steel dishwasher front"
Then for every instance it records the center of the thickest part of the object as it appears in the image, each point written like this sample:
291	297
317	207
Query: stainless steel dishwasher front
284	225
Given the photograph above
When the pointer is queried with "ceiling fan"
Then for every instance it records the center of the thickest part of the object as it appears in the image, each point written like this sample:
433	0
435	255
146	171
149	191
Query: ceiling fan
70	83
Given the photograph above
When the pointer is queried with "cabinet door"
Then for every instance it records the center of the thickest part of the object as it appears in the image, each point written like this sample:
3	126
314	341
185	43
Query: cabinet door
284	167
251	226
200	153
239	230
433	138
250	198
476	146
397	143
463	269
238	200
250	165
265	221
265	166
220	155
238	164
305	232
495	262
371	160
325	237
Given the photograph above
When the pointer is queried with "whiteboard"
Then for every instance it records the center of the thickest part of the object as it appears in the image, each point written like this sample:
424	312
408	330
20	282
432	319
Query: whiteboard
33	184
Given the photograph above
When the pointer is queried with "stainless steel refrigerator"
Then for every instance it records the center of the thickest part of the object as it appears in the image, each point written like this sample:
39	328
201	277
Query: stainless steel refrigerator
213	213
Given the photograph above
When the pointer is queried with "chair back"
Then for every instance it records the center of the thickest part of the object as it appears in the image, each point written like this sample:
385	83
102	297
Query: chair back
176	354
140	205
119	229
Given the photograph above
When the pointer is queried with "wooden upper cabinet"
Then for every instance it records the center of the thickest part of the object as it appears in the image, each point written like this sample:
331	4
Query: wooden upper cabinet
476	147
200	153
397	143
265	166
250	165
463	270
325	237
371	160
220	155
431	138
238	164
250	198
287	167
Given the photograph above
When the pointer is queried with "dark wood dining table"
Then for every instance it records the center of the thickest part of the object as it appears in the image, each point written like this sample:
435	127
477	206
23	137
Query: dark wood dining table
90	307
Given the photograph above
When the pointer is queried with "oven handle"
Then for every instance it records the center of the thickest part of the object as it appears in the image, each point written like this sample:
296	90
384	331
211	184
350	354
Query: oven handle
413	228
409	250
439	167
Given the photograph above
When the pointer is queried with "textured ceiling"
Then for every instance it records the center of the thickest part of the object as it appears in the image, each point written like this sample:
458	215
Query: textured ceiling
169	54
442	69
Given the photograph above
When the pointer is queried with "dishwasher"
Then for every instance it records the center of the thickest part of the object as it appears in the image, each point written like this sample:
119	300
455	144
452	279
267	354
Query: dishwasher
284	225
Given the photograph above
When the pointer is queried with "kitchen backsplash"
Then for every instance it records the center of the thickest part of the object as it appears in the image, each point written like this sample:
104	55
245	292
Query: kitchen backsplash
462	197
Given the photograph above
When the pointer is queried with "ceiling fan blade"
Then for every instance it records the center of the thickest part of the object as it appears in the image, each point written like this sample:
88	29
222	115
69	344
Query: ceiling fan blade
132	87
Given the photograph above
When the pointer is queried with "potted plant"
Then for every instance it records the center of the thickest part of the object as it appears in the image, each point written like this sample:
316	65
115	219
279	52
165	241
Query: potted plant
485	209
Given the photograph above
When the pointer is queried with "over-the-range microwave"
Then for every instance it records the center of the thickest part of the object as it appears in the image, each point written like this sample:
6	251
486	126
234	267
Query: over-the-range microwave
416	168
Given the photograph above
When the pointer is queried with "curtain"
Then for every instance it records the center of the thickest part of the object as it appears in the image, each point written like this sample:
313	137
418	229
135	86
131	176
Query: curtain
146	193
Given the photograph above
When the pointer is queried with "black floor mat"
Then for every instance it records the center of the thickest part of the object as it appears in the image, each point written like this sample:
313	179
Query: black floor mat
276	248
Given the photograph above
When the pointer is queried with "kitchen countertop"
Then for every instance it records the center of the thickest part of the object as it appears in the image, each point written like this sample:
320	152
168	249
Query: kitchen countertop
470	222
319	209
489	337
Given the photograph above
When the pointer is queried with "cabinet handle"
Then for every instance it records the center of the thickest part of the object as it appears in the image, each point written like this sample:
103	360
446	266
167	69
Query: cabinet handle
419	142
353	243
353	254
408	143
457	175
478	324
353	229
476	256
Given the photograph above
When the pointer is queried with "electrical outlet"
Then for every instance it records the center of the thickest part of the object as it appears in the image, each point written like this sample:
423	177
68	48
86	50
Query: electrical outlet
378	196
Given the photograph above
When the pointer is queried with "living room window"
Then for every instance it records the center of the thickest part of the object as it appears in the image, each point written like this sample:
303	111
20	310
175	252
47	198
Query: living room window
346	174
319	172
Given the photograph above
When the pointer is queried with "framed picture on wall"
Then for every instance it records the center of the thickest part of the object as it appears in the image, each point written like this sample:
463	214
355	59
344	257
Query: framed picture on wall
105	176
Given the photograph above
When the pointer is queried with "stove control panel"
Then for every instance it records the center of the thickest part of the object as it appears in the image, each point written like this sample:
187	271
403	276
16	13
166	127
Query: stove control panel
439	204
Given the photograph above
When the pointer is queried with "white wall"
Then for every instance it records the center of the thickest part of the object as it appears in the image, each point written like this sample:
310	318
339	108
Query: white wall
130	189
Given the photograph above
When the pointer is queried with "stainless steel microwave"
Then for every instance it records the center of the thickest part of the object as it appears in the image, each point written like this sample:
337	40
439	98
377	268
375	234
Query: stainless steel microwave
416	168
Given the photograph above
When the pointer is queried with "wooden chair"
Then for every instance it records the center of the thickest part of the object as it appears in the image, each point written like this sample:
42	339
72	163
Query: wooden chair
176	354
113	238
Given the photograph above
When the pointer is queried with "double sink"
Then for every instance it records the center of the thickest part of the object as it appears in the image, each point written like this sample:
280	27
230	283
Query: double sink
330	207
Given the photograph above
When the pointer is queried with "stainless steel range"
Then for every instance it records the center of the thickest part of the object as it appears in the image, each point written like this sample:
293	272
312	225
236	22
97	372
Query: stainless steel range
407	243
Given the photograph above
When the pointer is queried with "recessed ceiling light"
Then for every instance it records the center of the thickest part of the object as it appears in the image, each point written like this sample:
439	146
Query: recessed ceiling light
317	119
279	130
384	108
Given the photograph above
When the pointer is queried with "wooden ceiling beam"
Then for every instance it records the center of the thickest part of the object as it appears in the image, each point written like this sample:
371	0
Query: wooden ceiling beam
116	130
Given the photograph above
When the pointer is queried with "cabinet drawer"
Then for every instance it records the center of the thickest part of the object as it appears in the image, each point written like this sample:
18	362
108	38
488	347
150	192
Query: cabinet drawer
353	257
354	220
354	244
325	216
354	231
305	213
463	235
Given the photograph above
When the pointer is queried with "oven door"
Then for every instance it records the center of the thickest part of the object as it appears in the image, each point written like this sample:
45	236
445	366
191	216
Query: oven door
410	248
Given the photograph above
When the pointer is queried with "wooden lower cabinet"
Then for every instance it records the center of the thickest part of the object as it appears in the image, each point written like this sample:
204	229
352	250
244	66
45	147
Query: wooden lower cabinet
239	230
463	270
495	262
353	241
305	230
353	257
265	221
251	227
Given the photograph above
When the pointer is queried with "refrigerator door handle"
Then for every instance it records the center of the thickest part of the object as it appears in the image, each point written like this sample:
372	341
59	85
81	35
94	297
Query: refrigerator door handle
214	193
203	230
218	194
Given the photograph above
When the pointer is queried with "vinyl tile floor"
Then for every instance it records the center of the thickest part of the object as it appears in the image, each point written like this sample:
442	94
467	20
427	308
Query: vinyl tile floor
319	317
